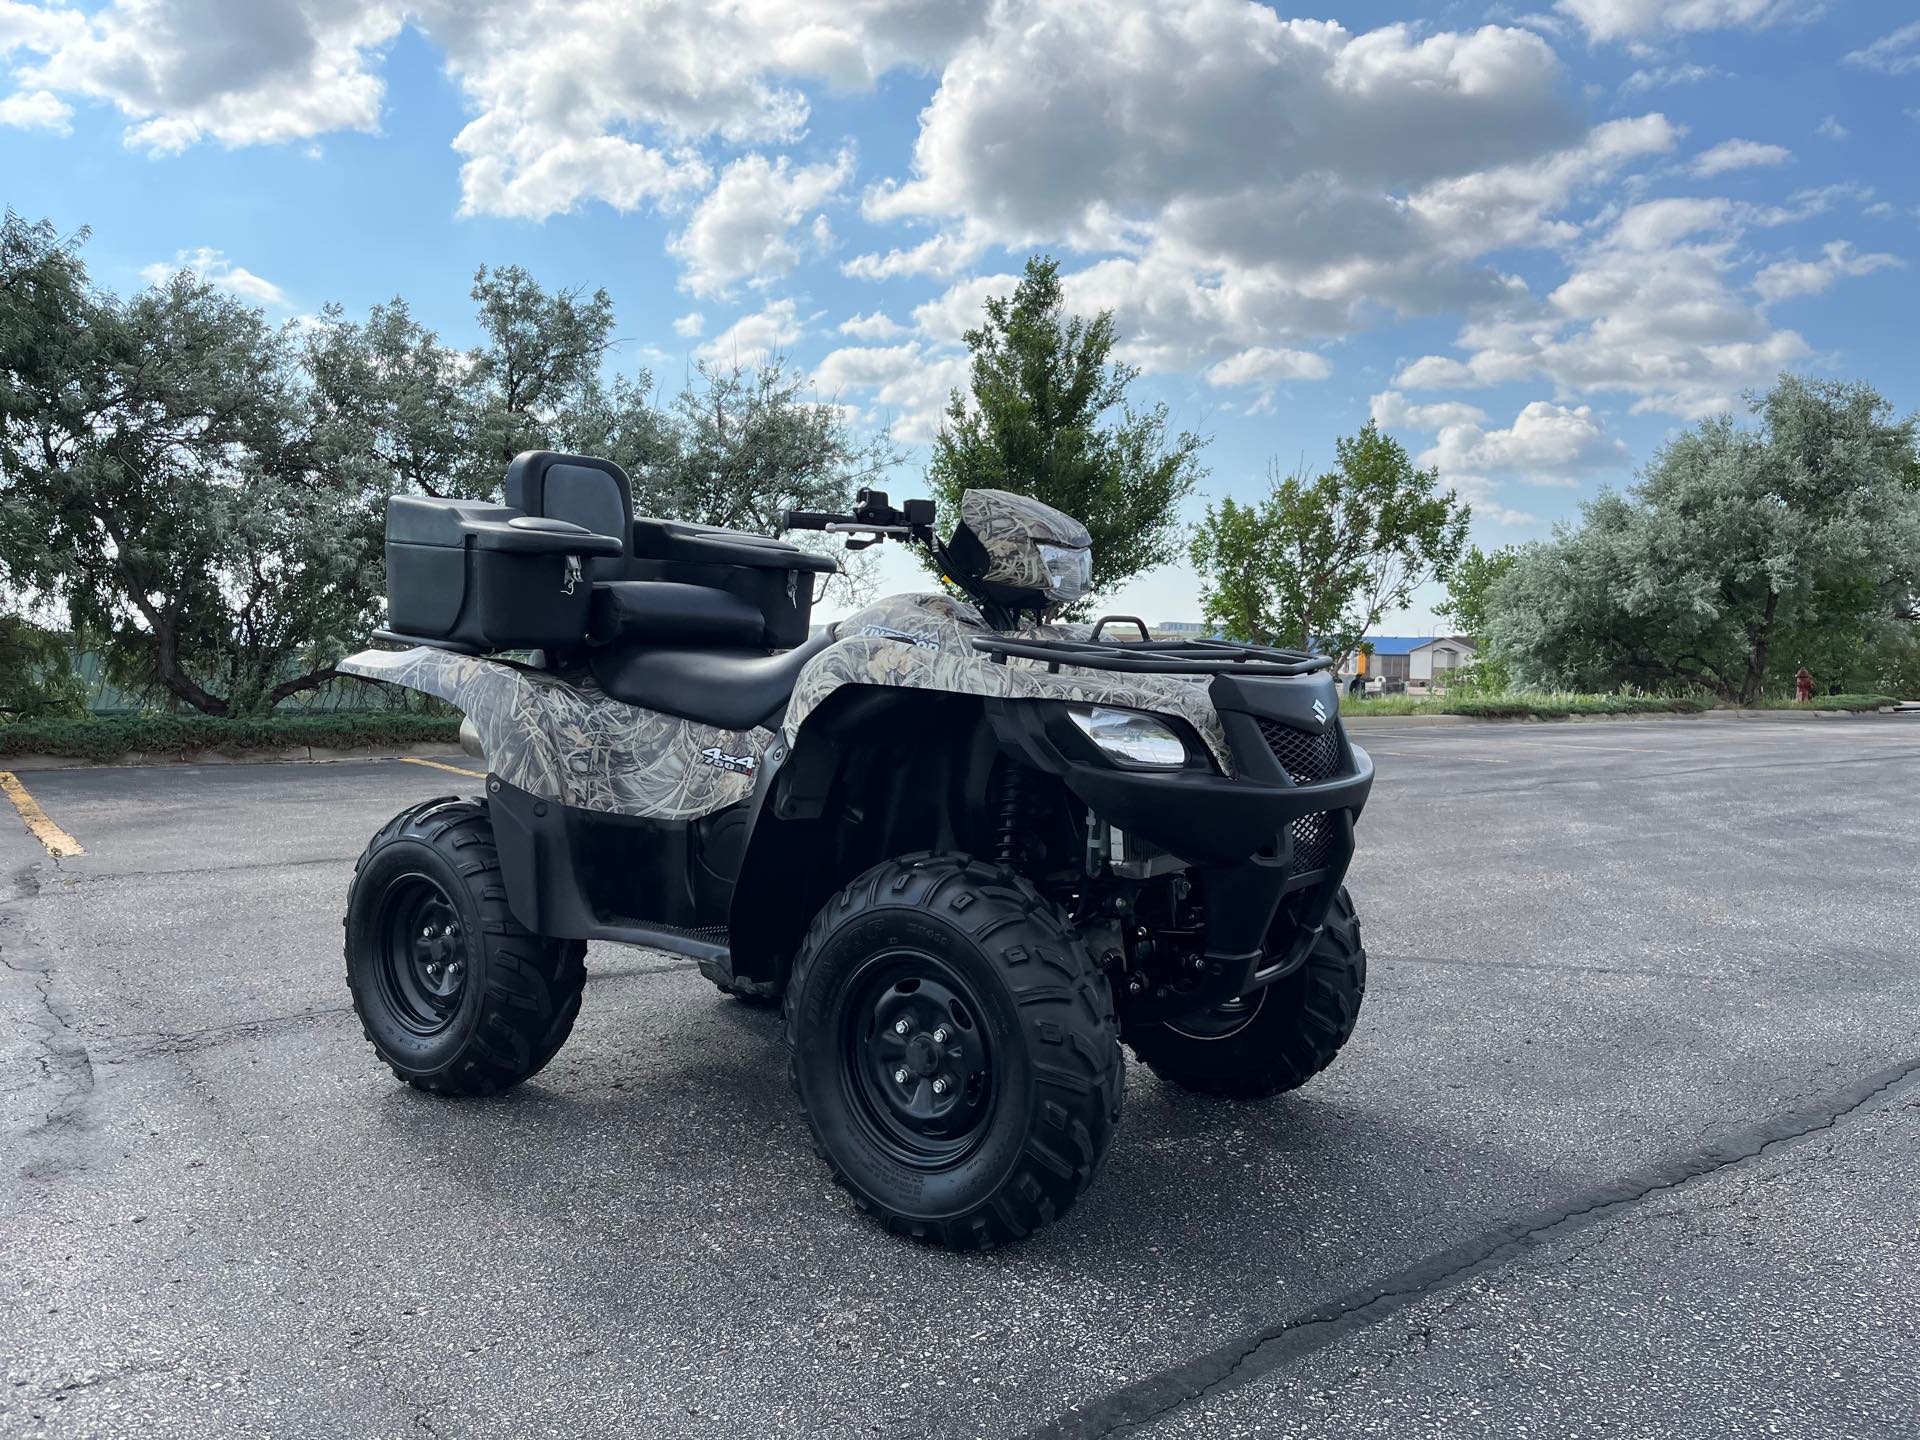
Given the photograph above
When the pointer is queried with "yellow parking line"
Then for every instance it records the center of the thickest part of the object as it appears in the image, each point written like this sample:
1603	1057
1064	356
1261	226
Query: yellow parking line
416	760
57	841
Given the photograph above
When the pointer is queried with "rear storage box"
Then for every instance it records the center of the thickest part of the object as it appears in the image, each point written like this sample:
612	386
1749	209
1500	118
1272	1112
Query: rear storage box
775	577
487	577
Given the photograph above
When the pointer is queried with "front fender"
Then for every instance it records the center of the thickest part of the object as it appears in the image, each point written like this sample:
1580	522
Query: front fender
925	642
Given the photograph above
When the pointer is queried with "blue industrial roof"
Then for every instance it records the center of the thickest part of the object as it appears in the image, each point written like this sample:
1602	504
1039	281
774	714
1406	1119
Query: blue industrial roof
1396	644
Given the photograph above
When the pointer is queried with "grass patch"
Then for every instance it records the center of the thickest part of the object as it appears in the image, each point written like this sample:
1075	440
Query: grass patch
112	737
1829	702
1526	705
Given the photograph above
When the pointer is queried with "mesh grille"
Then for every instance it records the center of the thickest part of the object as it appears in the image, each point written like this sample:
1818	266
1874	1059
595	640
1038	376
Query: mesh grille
1306	757
1312	842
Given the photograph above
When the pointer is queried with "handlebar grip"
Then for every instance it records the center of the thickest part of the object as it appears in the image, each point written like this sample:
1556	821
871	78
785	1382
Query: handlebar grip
811	520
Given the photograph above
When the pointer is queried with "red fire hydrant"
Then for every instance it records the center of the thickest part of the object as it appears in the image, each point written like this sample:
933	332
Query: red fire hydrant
1803	684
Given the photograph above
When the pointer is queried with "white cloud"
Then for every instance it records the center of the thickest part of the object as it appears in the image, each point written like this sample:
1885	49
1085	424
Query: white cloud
877	326
1831	129
1266	365
1211	104
186	70
36	110
752	338
581	100
942	254
1518	204
1653	309
573	100
1738	155
1393	411
961	308
1895	53
215	268
1652	19
691	324
1661	77
908	385
1247	181
1788	278
744	227
1547	444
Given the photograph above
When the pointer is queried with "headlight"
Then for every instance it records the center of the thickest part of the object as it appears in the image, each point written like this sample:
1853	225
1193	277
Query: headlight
1129	737
1069	571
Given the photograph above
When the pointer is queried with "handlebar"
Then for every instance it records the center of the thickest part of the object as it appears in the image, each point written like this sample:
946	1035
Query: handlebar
812	520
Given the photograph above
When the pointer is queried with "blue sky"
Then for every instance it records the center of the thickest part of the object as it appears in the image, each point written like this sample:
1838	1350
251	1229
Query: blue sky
1531	243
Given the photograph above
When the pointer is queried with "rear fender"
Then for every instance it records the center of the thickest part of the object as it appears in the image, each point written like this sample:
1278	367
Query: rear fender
570	743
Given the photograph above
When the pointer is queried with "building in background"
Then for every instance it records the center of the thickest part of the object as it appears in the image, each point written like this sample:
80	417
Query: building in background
1407	664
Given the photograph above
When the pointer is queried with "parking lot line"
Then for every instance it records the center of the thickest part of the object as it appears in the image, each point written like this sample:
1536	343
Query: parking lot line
58	842
441	765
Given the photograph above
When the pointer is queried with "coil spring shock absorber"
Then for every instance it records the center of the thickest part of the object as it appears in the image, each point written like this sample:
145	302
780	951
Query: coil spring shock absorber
1009	814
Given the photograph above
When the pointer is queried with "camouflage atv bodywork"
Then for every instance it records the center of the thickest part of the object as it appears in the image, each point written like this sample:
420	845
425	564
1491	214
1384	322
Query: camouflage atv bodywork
967	849
566	741
925	642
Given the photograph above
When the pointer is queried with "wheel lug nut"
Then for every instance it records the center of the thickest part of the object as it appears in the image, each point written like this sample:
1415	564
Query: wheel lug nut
900	1027
940	1087
940	1036
900	1077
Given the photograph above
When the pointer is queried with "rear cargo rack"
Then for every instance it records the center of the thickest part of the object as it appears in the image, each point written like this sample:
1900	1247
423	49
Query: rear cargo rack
1155	657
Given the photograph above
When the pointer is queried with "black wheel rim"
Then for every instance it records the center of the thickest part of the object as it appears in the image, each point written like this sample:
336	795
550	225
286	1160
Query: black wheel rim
1222	1020
423	954
917	1059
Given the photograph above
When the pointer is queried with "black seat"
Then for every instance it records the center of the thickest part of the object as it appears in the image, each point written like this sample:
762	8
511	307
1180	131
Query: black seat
583	489
644	596
627	613
726	688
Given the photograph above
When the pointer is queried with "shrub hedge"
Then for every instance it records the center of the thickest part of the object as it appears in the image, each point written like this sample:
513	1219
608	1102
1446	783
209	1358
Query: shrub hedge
115	736
1558	706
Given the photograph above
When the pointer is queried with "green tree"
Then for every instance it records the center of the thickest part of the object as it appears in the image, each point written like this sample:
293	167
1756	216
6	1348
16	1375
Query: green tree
540	362
206	492
36	672
1049	418
1468	587
394	406
739	445
156	449
1317	562
1739	549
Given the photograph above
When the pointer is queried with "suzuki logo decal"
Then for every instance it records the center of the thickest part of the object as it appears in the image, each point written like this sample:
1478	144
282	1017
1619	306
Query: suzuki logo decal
1320	712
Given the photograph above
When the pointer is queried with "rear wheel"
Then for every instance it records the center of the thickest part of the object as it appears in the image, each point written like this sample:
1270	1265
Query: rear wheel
453	993
954	1047
1272	1039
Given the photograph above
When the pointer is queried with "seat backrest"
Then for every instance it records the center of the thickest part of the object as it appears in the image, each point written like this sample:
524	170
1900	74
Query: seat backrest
589	492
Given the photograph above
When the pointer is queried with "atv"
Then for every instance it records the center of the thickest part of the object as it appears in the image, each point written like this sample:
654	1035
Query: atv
969	851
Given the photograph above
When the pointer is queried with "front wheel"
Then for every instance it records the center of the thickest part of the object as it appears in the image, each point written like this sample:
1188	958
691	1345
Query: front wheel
954	1047
1273	1039
454	993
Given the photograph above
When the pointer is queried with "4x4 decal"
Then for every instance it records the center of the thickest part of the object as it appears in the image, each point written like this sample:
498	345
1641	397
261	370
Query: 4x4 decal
736	764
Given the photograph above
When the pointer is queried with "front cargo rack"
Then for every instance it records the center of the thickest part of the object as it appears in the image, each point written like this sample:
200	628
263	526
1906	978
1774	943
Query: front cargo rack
1153	657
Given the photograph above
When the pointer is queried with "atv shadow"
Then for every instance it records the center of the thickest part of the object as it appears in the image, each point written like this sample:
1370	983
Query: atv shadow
681	1116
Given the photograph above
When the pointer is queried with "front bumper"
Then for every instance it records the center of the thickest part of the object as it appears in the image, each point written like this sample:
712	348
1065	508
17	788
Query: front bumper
1257	843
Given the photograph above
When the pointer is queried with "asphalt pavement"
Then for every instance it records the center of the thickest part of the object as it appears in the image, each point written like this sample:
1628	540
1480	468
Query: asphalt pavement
1627	1143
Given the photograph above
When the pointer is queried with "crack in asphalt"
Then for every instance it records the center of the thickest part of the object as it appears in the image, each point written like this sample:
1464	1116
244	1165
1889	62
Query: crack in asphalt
1558	968
162	1044
63	1058
1262	1351
104	877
